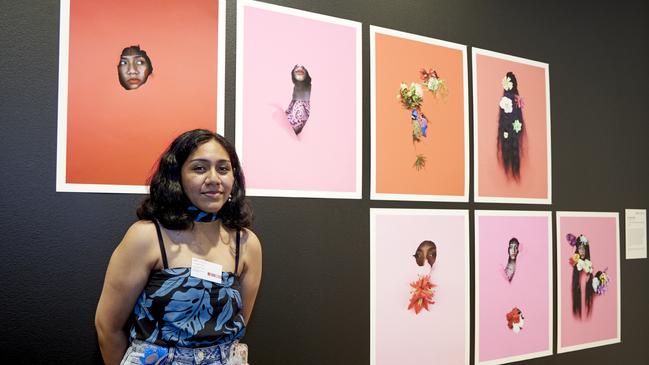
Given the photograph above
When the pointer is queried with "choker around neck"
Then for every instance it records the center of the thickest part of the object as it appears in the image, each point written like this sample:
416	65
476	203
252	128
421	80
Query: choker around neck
201	216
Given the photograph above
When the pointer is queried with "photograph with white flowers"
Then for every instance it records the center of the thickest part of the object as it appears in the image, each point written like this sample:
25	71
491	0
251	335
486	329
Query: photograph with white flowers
589	280
511	104
419	119
513	285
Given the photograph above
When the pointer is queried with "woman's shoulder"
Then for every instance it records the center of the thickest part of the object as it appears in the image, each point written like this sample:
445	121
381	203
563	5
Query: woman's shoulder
250	248
142	230
250	243
140	237
138	247
249	237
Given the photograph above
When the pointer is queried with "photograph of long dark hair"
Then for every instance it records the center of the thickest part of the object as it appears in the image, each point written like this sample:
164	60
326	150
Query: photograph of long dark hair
576	285
511	127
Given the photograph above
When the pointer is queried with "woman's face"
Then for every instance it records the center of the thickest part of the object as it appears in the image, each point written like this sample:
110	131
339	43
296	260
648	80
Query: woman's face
513	250
427	252
133	71
581	250
299	73
207	177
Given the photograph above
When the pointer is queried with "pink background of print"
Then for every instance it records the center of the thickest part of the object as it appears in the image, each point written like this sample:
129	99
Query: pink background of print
528	290
323	156
492	181
602	324
403	337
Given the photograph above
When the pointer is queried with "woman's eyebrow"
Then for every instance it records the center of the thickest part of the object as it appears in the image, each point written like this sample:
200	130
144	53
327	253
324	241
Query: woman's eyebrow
208	160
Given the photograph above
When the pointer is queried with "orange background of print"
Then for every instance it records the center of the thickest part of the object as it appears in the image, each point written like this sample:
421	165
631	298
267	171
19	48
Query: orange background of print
115	136
400	60
492	180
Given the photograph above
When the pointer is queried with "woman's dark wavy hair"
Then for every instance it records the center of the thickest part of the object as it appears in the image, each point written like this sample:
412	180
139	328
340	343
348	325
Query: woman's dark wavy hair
167	202
509	149
576	286
514	240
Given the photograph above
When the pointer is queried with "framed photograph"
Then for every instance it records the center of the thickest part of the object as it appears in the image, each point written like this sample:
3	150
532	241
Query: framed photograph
419	306
513	285
128	85
511	116
299	102
588	275
420	138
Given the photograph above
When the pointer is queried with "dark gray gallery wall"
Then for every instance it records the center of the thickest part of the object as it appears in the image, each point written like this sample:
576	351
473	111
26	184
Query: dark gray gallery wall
313	306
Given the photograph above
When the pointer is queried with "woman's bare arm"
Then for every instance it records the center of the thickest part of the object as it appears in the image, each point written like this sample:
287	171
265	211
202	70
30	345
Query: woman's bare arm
251	274
126	276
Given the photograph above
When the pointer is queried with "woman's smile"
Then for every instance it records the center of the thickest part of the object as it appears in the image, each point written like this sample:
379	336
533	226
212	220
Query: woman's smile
212	194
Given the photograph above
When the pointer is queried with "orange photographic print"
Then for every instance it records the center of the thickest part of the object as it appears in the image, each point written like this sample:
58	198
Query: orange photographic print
131	82
419	119
511	128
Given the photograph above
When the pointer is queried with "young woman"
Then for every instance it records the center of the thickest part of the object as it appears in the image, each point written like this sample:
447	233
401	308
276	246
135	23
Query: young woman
185	276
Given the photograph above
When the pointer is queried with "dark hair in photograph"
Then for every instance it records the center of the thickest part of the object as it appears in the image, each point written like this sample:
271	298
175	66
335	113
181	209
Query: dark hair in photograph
167	202
576	285
136	51
421	255
510	136
590	292
514	241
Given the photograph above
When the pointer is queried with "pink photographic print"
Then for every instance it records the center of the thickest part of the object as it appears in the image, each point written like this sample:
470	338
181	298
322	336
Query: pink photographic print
419	306
513	286
299	90
588	275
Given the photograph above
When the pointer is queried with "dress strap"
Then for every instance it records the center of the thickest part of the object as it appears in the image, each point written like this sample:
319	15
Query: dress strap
236	254
163	253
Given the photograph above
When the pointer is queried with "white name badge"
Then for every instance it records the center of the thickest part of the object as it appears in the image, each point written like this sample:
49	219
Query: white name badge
206	270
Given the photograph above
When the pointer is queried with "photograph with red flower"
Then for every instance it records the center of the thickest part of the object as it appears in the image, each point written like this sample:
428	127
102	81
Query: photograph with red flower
419	119
419	284
513	285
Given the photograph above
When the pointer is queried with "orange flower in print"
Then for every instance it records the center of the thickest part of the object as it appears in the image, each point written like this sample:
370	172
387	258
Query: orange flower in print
574	259
422	294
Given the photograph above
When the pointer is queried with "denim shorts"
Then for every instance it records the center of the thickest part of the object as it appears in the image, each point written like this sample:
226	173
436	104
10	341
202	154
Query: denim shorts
144	353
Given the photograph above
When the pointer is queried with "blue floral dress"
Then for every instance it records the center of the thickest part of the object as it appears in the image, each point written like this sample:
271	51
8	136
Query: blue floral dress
181	312
176	309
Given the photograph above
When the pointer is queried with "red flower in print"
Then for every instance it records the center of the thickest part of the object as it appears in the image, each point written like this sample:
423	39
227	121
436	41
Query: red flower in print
515	320
422	294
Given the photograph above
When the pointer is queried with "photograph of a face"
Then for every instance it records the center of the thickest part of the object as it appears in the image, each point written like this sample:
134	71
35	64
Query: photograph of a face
419	119
511	103
588	275
128	84
299	87
419	262
513	285
134	67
